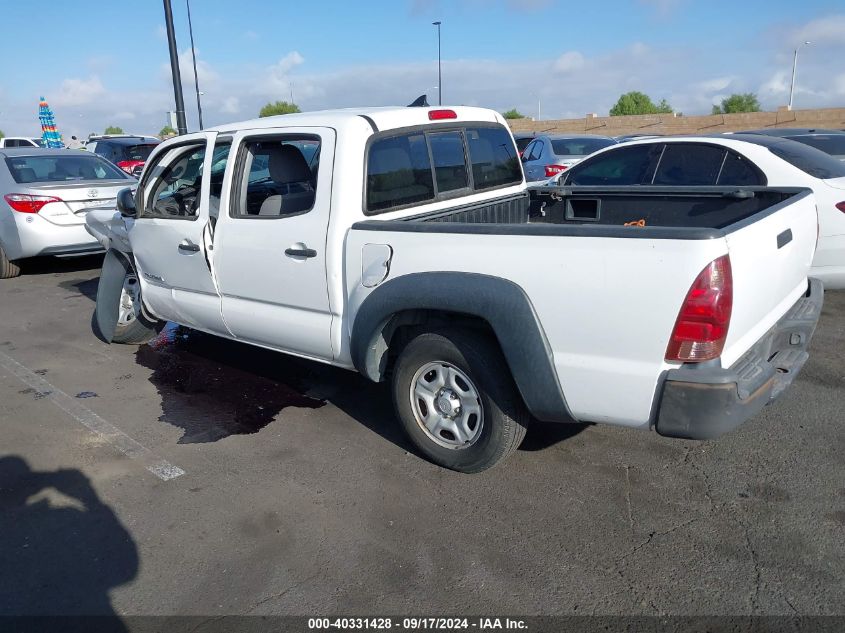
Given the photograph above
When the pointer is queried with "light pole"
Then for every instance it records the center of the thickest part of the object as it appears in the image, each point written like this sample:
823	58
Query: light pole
794	65
439	75
194	56
181	124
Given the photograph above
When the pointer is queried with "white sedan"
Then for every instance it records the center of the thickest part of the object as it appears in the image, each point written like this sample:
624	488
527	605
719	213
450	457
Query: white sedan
738	160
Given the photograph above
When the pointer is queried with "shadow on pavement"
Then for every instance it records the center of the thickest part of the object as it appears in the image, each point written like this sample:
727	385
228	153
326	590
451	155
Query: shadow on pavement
61	548
53	265
212	388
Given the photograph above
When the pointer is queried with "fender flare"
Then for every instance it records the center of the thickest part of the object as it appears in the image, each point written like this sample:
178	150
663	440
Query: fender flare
502	304
115	267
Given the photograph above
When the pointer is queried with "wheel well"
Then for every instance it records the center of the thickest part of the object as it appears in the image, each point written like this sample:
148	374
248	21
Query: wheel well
403	326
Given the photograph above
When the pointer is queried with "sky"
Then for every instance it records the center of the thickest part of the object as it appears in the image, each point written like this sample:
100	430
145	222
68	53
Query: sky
107	62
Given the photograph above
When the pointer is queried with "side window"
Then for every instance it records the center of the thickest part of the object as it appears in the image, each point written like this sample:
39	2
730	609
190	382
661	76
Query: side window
493	156
738	170
537	151
447	153
688	164
631	165
398	172
526	153
278	177
173	190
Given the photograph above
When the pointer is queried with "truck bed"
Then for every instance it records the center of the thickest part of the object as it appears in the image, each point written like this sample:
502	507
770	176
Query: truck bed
607	304
694	213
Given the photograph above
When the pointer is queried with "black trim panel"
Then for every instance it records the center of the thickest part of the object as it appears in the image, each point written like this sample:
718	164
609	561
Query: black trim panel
501	303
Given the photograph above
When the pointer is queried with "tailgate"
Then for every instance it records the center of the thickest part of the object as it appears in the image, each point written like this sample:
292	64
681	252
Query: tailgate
770	257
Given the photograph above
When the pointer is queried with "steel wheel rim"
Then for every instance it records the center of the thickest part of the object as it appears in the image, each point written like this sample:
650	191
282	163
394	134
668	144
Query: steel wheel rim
130	305
446	405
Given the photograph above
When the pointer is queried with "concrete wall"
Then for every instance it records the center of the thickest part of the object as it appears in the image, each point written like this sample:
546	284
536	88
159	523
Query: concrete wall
673	124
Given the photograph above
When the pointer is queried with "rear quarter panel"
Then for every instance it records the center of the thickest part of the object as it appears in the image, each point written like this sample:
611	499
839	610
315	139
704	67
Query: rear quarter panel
607	305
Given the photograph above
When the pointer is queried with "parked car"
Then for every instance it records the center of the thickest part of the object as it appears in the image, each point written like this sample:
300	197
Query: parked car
547	156
737	160
522	139
19	141
126	151
829	141
45	195
405	252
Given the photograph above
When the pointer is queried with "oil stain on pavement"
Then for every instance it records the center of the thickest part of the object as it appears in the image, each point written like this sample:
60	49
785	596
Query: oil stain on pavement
213	387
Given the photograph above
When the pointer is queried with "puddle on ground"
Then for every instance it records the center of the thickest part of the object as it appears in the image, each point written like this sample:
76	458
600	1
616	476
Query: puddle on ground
213	387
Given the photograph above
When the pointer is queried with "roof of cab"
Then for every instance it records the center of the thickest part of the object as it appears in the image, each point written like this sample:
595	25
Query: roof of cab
384	118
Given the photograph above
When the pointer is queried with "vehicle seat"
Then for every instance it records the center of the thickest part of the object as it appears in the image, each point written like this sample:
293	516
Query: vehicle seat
291	173
26	174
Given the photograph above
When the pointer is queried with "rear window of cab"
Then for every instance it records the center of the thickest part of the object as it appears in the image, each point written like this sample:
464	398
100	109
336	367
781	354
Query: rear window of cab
438	163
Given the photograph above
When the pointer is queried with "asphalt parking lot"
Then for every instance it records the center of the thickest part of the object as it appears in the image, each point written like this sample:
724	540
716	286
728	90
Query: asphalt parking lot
199	476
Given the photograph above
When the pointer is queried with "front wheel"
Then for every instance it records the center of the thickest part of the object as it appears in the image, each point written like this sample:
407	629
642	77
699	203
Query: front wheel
132	327
455	397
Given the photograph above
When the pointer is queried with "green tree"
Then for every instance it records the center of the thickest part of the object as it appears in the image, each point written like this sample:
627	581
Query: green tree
635	102
279	107
513	113
167	131
113	129
745	102
1	134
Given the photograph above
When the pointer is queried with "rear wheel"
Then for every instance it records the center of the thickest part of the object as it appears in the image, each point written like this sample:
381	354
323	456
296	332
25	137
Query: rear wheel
8	269
132	326
455	397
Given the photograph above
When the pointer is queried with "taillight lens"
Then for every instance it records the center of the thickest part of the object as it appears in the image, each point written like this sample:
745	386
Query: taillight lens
554	170
841	206
24	203
702	324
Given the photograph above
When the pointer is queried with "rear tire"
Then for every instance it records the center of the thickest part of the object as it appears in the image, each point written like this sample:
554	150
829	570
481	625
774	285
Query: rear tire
8	269
456	399
132	328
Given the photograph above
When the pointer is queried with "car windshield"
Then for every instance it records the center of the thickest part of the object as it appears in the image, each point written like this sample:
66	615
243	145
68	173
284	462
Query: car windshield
62	168
579	146
833	144
137	152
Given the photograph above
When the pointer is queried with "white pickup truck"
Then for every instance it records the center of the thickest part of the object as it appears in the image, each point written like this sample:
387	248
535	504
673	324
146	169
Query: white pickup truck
401	243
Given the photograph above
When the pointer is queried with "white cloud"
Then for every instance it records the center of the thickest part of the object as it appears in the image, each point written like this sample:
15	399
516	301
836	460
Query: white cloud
75	92
713	85
776	86
827	30
231	105
251	35
125	115
161	32
568	62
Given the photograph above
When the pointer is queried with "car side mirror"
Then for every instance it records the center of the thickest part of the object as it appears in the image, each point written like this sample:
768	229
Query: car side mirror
126	203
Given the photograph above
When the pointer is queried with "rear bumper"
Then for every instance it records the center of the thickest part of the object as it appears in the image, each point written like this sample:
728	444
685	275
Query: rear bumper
33	235
703	402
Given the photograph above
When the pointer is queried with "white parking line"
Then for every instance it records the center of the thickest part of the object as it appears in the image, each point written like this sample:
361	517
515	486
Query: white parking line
98	426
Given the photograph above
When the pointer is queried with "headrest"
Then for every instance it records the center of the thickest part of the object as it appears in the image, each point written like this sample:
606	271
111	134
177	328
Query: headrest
287	164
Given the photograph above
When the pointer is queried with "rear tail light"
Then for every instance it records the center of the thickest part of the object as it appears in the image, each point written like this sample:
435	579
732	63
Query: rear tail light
554	170
127	165
702	324
841	206
439	115
24	203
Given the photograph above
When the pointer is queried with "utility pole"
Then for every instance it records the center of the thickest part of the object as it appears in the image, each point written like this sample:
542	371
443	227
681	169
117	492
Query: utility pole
194	56
181	124
439	74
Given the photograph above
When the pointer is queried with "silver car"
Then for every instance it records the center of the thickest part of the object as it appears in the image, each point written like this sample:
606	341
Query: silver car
547	156
44	195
